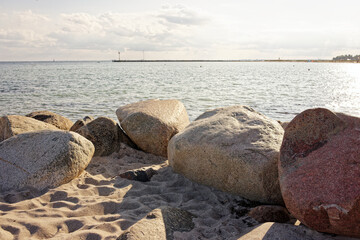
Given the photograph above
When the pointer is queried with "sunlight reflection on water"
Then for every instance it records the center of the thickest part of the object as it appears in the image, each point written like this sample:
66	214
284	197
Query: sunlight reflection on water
278	90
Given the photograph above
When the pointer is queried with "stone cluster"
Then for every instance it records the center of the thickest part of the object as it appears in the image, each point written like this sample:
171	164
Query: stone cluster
312	168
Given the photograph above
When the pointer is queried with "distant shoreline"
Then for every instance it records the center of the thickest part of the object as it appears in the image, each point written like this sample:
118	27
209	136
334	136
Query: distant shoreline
289	60
194	60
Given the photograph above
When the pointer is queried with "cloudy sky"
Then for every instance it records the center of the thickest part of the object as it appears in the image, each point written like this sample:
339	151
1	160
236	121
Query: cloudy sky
190	29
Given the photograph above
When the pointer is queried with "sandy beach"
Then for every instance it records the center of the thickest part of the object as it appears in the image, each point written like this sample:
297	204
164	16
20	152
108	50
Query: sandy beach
99	204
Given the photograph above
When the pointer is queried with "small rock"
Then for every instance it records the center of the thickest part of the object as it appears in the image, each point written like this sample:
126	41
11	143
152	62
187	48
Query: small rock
239	211
284	124
81	122
139	175
55	119
270	213
105	134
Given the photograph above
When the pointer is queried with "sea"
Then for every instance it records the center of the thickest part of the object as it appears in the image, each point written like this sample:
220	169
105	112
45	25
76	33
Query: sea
279	90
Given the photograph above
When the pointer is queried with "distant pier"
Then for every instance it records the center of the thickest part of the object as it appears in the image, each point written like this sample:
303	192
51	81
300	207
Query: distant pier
259	60
186	60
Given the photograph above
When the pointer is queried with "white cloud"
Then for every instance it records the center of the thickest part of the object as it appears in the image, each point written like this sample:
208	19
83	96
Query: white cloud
22	30
175	31
179	14
149	31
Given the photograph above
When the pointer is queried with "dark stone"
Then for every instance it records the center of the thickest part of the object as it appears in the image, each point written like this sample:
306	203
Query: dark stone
41	117
139	175
105	134
270	213
81	122
239	211
55	119
176	219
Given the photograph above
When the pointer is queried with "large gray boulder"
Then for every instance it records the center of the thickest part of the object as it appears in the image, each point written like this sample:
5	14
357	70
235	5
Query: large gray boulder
12	125
43	159
234	149
152	123
55	119
105	134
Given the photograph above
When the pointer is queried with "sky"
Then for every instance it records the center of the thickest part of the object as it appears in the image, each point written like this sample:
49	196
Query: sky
46	30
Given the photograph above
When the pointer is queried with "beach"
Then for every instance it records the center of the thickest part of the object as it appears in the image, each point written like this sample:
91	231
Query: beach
160	176
99	204
179	120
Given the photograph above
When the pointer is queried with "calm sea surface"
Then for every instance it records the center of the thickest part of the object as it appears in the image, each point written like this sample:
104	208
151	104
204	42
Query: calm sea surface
278	90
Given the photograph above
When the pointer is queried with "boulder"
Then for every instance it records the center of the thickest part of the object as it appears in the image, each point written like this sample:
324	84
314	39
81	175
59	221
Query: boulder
160	224
81	122
55	119
105	134
319	171
151	124
43	159
12	125
234	149
270	213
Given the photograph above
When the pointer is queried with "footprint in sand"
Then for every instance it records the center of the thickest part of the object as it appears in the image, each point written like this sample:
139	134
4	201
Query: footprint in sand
73	225
105	191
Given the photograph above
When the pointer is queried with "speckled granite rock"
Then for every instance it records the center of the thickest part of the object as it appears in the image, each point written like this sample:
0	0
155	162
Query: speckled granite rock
151	124
234	149
105	134
43	159
319	171
12	125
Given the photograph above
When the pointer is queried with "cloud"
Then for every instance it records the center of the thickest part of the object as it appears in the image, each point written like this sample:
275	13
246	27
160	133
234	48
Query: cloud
172	31
168	29
25	29
24	20
183	16
109	30
149	31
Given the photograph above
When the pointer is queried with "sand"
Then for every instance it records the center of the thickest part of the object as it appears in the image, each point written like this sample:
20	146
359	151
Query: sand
101	205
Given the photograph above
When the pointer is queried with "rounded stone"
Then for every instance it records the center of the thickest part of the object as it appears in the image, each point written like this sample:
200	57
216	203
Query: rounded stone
234	149
43	159
319	171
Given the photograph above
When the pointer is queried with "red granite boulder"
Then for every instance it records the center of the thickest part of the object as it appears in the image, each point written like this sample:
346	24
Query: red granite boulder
319	171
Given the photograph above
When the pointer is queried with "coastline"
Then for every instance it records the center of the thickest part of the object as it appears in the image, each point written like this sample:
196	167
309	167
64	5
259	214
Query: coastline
184	60
262	60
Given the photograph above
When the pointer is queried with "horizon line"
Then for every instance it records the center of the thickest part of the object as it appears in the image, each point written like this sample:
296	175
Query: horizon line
184	60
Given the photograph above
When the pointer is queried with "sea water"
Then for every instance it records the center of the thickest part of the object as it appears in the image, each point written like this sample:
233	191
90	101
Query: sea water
279	90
